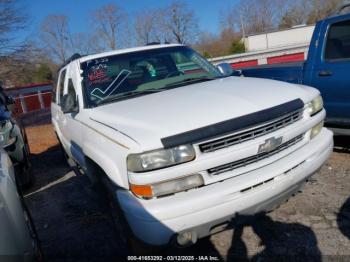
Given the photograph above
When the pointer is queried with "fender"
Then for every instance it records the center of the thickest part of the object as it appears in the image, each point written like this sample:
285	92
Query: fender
102	154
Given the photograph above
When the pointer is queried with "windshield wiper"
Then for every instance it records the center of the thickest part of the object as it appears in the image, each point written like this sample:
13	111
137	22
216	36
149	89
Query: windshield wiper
127	94
192	80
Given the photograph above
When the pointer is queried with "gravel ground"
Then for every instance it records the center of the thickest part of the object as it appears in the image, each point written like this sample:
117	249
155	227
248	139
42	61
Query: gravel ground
75	223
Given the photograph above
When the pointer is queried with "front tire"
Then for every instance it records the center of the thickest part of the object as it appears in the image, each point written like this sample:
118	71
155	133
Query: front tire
24	171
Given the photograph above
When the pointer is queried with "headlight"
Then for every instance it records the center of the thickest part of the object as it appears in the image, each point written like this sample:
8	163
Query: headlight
160	158
315	106
168	187
316	129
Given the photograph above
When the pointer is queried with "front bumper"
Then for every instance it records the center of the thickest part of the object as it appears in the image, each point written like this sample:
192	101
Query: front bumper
203	210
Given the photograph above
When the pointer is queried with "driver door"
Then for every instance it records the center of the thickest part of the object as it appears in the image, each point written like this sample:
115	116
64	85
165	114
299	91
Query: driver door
70	121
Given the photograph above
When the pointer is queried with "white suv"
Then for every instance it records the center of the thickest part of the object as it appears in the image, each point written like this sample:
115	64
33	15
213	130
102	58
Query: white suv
186	146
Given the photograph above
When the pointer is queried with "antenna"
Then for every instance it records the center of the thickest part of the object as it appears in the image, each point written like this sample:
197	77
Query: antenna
153	43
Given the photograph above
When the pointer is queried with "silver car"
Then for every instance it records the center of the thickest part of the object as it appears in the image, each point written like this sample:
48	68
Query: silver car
13	140
18	239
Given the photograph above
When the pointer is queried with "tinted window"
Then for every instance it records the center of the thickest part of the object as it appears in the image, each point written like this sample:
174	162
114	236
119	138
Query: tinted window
61	84
71	89
54	91
338	41
108	78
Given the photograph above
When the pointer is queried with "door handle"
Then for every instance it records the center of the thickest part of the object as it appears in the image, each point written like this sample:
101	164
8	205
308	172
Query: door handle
325	73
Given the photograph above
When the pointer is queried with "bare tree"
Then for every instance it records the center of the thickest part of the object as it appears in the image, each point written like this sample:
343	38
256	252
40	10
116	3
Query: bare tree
12	19
85	43
253	16
19	62
180	22
307	11
144	26
13	68
81	43
150	26
26	65
217	45
294	16
108	22
296	13
321	9
55	36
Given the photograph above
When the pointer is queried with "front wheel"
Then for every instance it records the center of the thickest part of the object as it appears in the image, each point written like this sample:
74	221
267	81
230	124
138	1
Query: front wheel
123	231
125	234
24	170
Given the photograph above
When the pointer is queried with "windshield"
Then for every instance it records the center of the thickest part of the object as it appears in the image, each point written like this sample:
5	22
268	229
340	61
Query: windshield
123	76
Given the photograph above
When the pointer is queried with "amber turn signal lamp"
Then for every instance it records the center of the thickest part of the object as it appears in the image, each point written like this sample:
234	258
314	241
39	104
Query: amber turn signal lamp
142	191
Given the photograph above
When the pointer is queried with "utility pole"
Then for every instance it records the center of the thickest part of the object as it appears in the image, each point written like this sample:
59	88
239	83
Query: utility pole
243	32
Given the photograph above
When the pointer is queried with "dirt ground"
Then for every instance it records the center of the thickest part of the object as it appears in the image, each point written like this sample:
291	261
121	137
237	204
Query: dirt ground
75	223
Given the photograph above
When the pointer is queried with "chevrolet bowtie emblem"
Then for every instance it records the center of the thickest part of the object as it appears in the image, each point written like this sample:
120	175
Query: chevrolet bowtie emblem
270	145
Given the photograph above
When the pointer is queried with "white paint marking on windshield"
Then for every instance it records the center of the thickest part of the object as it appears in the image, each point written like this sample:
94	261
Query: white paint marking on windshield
108	92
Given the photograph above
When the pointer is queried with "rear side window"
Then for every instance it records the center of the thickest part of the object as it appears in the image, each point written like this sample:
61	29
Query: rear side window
338	41
54	89
71	90
54	93
61	84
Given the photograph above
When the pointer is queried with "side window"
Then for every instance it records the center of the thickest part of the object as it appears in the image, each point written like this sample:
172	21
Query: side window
61	84
54	91
338	41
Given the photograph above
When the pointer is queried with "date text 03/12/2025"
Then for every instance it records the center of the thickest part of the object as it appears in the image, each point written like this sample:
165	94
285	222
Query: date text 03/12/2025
173	258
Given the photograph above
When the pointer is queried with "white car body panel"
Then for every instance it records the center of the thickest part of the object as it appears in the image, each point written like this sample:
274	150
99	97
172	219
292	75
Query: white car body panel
158	115
219	201
15	239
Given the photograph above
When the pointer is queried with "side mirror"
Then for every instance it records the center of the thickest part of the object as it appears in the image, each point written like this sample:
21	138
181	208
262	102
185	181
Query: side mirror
69	104
225	69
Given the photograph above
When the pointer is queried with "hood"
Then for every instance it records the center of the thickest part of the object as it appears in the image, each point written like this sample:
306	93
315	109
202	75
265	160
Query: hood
149	118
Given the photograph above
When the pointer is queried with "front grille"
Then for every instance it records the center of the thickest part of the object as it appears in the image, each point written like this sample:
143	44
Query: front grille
255	158
251	134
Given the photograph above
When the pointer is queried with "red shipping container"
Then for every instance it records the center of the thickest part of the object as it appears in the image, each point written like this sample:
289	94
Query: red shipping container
286	58
47	97
245	64
32	102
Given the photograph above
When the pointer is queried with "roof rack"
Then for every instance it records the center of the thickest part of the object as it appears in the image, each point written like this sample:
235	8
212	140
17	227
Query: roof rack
153	43
342	7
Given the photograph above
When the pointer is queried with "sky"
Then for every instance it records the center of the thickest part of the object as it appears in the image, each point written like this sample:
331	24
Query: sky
207	11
